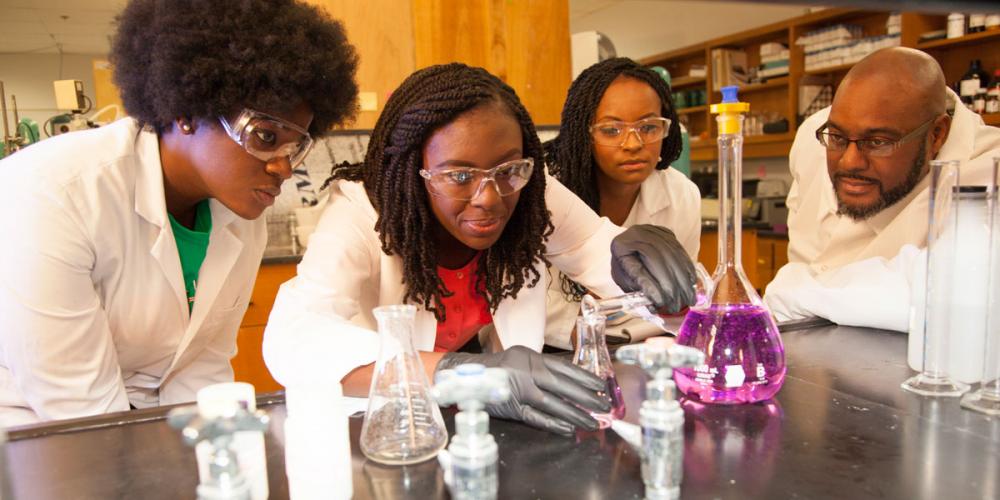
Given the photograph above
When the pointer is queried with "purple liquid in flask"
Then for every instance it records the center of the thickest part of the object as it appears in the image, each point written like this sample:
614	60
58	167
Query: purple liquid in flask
592	355
744	356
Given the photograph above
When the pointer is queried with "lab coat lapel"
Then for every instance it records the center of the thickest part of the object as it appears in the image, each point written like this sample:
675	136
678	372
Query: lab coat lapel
521	321
223	251
392	291
151	205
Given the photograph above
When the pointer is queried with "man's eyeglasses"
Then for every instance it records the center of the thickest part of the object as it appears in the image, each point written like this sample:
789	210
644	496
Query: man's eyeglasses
466	183
268	137
615	133
869	146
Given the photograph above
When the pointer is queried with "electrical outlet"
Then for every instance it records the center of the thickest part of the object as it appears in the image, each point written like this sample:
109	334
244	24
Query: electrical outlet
369	101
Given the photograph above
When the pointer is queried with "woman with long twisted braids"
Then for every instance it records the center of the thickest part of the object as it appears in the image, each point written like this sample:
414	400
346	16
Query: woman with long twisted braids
618	136
452	211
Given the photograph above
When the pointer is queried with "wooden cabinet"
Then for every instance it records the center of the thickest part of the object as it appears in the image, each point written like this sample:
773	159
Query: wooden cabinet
780	94
761	255
248	364
524	42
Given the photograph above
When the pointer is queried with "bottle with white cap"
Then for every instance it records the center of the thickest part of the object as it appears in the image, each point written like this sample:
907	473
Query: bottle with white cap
220	399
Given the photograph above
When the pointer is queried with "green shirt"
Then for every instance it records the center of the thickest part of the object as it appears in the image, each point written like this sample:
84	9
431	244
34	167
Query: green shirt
192	245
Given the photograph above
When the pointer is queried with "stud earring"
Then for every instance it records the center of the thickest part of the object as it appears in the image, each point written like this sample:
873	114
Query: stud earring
186	127
659	159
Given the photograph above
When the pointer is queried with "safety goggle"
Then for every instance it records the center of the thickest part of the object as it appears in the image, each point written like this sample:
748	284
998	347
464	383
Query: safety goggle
466	183
268	137
615	133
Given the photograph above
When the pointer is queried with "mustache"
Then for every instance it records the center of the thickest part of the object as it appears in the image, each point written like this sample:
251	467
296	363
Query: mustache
847	175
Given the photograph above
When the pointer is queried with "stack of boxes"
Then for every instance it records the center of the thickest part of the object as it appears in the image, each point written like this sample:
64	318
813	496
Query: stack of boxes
841	44
773	60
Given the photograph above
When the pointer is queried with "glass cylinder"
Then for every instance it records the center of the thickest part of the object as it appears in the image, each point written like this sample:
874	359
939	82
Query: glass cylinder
592	355
403	424
744	355
987	398
934	378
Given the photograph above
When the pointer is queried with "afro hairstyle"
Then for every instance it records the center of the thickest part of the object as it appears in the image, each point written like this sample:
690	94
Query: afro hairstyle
200	59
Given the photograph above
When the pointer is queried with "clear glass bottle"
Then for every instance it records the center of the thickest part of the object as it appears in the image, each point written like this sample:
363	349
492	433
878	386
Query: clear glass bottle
744	355
592	355
403	424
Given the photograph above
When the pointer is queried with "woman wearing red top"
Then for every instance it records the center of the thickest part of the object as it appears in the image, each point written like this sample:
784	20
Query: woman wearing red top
453	212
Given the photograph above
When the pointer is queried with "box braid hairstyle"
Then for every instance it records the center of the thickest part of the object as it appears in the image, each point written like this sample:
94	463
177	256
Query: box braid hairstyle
426	101
570	156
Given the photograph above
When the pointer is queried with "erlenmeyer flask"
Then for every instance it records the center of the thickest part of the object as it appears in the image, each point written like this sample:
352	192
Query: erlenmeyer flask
592	355
403	424
744	356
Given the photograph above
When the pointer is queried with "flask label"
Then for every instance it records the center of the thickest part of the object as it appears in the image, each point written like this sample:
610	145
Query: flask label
735	376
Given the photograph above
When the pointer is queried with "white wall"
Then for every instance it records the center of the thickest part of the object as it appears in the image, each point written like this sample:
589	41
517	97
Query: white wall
641	28
30	77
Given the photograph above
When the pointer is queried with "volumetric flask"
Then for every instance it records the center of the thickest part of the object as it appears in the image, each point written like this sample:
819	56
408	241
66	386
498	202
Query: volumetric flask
942	238
744	356
403	424
592	355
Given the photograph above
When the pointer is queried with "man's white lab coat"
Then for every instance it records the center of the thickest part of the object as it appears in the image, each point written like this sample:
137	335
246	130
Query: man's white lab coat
93	308
666	198
322	325
854	272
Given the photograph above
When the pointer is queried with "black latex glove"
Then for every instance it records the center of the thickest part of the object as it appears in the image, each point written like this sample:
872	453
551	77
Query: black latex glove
649	259
544	390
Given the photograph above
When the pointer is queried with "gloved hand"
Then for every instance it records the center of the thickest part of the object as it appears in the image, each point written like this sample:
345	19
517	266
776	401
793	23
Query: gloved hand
544	390
649	259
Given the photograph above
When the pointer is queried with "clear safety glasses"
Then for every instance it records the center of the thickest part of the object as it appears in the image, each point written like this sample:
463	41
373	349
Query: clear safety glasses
615	133
466	183
268	137
870	146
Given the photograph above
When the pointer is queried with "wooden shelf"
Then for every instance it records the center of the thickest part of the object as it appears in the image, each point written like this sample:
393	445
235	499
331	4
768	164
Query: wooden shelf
686	81
992	119
948	43
780	81
830	69
693	109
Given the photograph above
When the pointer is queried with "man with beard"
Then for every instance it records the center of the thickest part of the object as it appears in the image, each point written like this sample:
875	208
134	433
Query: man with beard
892	114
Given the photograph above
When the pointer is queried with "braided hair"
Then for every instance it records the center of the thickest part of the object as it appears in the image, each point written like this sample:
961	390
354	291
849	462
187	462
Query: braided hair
426	101
570	156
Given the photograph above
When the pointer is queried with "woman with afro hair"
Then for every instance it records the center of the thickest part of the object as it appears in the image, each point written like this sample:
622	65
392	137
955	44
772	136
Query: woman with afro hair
618	136
134	247
451	211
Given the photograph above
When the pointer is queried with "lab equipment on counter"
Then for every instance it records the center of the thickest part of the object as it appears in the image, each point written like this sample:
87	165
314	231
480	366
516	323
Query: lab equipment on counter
660	415
933	313
403	424
592	355
218	400
987	398
226	480
317	440
744	355
470	462
636	303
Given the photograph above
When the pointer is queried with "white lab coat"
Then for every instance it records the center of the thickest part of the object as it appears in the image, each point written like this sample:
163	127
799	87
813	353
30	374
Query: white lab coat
855	273
93	308
666	198
322	325
824	240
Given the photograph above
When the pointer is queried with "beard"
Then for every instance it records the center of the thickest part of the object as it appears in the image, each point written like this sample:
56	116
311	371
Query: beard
887	198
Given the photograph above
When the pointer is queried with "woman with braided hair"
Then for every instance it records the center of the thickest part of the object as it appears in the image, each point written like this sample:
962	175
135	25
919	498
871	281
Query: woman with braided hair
452	212
618	136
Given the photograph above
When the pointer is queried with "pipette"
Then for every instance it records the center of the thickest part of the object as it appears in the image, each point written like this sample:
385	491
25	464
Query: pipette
636	303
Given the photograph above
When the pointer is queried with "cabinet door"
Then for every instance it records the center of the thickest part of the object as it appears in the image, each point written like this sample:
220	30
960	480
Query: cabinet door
248	365
269	278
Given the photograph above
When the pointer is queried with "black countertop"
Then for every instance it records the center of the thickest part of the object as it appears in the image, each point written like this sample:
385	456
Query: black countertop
840	428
